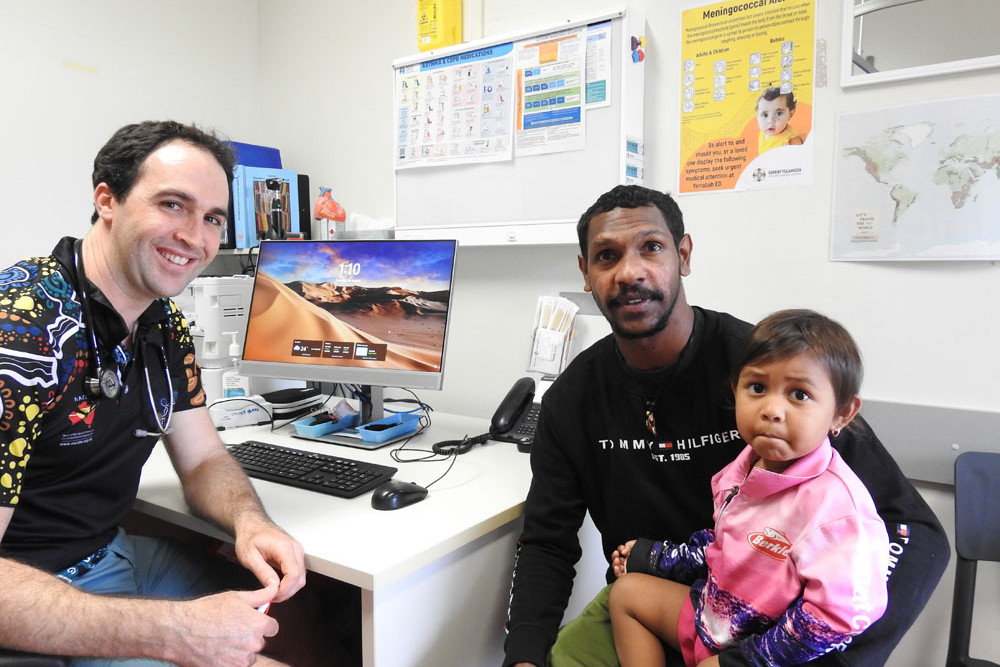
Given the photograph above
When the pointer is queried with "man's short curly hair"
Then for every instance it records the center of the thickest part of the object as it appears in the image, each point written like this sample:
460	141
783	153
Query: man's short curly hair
120	160
633	196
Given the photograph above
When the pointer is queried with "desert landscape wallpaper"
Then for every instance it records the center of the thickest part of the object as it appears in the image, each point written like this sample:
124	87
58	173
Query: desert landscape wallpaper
390	296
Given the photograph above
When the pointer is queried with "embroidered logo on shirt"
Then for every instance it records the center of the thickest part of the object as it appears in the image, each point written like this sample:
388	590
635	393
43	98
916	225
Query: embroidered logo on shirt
771	542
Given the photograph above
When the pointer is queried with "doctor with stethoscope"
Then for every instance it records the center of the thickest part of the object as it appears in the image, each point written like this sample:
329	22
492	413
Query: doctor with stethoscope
148	241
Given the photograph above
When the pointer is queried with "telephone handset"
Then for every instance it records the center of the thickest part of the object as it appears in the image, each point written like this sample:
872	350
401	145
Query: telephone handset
517	415
512	406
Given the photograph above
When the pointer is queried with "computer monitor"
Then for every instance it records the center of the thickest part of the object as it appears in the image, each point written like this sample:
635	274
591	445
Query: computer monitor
368	312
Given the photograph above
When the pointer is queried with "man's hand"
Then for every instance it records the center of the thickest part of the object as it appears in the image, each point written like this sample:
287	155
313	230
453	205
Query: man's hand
216	488
223	630
619	557
272	555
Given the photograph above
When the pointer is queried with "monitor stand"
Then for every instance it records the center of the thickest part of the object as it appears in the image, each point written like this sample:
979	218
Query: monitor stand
372	403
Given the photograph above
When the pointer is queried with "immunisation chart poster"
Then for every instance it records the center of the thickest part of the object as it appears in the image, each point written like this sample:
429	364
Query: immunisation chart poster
550	80
455	109
746	95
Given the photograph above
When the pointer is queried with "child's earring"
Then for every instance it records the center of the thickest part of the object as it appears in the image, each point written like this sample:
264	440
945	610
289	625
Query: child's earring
835	432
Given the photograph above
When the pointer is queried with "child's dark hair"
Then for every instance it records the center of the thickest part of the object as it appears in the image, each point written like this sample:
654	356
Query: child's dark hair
790	332
774	93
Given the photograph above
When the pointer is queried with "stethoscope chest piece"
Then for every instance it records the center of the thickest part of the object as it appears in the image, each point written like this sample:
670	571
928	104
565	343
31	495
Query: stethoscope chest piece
105	385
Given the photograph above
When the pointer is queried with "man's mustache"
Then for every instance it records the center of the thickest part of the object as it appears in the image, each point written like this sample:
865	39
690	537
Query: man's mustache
634	293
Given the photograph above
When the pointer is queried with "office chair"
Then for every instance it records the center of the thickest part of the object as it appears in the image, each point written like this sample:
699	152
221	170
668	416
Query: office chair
977	537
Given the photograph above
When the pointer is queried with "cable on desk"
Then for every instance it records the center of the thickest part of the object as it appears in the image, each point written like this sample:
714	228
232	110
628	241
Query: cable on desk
447	447
453	457
420	405
425	455
358	393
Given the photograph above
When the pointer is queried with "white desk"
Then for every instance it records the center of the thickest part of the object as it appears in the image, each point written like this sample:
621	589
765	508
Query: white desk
434	576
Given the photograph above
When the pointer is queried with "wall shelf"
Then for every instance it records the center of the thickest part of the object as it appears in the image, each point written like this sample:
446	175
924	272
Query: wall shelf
549	232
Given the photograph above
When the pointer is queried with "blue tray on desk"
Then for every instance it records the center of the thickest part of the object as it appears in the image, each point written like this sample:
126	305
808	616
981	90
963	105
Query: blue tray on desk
388	428
309	428
372	435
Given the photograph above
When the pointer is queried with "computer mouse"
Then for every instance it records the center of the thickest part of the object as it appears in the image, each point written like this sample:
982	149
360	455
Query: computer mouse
395	494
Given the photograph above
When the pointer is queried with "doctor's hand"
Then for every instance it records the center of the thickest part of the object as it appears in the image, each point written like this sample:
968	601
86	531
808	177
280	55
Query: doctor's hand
223	629
272	555
619	557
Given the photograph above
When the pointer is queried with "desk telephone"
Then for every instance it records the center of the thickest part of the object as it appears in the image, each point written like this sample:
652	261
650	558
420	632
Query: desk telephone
517	416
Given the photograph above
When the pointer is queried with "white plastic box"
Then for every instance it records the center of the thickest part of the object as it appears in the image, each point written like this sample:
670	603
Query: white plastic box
215	307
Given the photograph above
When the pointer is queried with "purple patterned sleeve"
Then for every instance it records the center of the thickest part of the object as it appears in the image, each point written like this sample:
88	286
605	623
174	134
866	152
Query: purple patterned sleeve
683	563
796	637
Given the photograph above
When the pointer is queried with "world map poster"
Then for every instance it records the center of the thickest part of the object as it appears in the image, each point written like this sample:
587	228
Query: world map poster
919	182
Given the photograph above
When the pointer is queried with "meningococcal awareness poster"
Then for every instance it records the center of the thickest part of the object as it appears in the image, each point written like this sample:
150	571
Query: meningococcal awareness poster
746	95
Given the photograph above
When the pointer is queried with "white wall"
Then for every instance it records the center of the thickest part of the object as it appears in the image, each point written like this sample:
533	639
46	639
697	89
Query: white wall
74	72
313	77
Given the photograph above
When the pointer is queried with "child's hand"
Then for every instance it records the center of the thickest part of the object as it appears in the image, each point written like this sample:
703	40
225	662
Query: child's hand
620	556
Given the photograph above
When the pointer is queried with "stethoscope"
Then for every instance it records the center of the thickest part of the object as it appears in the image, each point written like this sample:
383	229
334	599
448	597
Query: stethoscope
163	425
107	382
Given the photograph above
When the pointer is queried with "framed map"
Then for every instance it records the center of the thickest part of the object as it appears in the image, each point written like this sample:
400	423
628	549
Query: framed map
918	182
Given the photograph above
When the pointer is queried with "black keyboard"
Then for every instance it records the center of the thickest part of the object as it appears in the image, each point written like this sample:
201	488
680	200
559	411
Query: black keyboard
332	475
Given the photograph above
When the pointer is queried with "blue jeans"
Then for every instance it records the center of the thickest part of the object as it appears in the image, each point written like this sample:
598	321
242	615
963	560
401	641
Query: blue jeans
154	567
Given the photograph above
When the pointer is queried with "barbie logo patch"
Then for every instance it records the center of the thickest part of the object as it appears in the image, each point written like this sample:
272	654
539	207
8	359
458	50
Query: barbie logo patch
771	543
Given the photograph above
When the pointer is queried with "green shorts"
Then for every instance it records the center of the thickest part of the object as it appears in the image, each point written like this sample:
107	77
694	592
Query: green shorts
587	640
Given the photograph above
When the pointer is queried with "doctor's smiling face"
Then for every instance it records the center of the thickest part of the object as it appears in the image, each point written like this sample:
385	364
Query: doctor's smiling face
167	229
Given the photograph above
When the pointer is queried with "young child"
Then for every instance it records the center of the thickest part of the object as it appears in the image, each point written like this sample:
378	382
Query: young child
796	563
774	111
